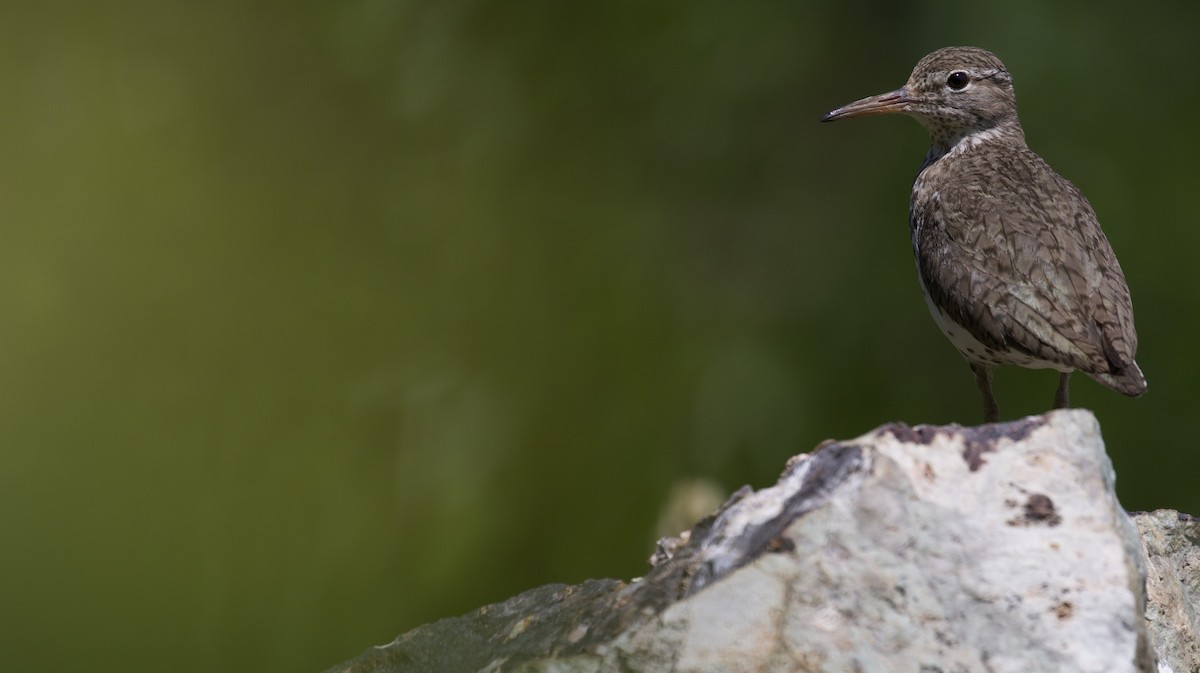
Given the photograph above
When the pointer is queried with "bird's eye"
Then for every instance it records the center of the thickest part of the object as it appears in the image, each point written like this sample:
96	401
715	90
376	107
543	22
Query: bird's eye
958	80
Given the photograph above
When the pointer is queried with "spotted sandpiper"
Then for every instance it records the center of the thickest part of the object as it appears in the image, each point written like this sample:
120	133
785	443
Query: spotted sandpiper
1010	256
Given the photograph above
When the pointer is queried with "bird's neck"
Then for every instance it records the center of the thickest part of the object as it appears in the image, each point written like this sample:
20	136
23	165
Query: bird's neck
951	142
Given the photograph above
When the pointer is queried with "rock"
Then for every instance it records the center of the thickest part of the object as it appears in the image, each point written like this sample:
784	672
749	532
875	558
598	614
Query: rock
1172	544
996	549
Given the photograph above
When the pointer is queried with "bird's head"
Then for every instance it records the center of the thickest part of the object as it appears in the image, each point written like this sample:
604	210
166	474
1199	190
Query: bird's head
953	92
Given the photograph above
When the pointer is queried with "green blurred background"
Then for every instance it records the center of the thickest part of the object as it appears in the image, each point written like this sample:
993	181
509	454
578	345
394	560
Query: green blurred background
324	320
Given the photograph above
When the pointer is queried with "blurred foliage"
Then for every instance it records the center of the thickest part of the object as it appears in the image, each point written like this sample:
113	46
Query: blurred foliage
324	320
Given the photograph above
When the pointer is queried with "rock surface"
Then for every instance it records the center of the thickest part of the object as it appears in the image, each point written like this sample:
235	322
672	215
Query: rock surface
994	549
1172	544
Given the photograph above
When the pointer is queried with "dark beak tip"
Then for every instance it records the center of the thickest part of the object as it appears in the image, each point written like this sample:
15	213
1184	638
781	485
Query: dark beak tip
827	117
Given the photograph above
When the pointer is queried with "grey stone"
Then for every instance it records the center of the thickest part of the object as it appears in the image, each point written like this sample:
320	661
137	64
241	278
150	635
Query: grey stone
996	549
1172	544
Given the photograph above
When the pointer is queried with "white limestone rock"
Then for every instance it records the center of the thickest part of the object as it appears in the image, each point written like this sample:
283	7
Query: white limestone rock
998	548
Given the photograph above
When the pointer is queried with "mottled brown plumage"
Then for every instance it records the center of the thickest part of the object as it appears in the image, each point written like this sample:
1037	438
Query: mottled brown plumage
1011	258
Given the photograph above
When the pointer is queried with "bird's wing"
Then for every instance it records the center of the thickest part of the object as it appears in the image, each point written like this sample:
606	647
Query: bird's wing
1023	265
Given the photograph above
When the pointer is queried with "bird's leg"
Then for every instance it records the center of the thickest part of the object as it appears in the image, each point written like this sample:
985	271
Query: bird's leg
1061	397
983	378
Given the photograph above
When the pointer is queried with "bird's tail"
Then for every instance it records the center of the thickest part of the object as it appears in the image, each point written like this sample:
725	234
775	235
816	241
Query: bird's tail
1128	380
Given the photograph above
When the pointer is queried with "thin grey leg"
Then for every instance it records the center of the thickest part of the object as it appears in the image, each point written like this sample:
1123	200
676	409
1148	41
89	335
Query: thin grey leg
983	378
1061	398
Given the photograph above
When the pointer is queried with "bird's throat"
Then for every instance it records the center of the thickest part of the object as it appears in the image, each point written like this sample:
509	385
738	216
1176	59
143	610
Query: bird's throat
961	142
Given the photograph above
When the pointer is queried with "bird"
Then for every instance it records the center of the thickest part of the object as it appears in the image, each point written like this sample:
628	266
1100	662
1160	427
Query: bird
1010	255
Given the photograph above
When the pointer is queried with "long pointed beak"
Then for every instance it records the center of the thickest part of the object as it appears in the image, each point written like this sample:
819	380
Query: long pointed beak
884	103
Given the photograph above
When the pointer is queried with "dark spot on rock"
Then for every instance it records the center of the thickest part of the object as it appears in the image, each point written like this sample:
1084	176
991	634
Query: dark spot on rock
921	434
1039	509
1014	430
973	454
780	543
982	439
1064	610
